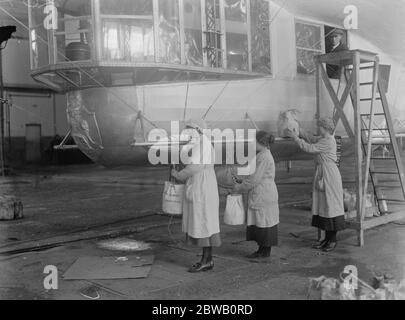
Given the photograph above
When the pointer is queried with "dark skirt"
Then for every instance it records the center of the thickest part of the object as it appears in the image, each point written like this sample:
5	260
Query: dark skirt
265	237
213	241
329	224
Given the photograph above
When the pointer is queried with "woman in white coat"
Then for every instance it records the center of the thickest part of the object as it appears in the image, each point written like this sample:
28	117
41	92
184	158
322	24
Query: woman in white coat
201	200
327	201
263	210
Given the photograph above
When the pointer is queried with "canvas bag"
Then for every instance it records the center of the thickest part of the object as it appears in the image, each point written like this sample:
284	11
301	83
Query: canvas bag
172	202
288	121
235	214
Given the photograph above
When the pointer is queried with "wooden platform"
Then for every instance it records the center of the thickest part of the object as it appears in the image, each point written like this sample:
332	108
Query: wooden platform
370	223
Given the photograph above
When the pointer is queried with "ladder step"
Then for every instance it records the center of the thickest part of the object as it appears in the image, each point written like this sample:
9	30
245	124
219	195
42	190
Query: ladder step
385	172
382	129
369	99
366	83
368	114
361	68
381	158
379	143
387	187
392	200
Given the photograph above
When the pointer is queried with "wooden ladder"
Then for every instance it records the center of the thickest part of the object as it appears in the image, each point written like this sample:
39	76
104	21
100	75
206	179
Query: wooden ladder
367	135
378	166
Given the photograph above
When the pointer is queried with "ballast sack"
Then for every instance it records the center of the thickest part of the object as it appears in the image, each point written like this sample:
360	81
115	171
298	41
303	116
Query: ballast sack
235	214
288	121
173	198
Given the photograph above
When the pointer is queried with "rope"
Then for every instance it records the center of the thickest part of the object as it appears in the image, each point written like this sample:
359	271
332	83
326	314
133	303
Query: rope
216	99
186	102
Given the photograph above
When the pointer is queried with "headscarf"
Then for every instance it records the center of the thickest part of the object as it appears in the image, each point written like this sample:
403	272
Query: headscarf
203	152
328	124
264	138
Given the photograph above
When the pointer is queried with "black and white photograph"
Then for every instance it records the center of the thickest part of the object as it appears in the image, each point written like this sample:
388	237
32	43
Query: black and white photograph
201	156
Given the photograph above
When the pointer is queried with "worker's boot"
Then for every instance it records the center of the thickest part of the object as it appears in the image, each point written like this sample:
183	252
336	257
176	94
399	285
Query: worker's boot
320	245
330	247
255	255
332	243
266	251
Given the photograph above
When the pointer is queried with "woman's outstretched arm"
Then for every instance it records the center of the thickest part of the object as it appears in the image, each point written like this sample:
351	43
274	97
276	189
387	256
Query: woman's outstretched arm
251	181
187	172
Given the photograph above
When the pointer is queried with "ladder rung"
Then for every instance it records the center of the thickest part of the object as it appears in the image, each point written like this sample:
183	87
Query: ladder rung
369	99
385	172
387	187
369	114
381	158
362	68
379	143
392	200
382	129
366	83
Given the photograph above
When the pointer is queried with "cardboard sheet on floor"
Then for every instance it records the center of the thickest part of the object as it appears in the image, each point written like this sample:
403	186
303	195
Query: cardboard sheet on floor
107	268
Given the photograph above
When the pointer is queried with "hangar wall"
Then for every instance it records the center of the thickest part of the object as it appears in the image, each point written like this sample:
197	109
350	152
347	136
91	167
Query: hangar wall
29	102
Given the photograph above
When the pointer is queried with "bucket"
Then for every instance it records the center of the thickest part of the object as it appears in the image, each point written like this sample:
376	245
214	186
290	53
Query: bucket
172	202
235	214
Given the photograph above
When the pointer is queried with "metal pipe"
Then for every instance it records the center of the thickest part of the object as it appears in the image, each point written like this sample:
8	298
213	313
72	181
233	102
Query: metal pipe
8	120
55	131
2	155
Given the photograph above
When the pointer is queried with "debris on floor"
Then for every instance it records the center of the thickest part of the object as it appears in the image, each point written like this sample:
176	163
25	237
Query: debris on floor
90	293
109	268
324	288
124	244
11	208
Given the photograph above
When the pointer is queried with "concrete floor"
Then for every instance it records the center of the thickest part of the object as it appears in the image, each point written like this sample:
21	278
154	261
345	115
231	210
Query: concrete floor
68	210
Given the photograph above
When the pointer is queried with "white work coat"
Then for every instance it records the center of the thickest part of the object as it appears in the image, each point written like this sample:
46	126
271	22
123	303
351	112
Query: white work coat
327	203
263	210
201	210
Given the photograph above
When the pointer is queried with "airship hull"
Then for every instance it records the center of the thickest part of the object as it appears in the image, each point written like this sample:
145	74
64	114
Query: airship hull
106	127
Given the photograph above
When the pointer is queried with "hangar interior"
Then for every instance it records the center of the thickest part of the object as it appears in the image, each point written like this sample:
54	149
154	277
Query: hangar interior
84	83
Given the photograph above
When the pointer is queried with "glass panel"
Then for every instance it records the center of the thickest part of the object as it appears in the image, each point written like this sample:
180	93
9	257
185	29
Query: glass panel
39	48
308	36
213	34
260	26
193	32
74	37
128	40
169	31
309	44
126	7
127	30
305	61
39	35
236	34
